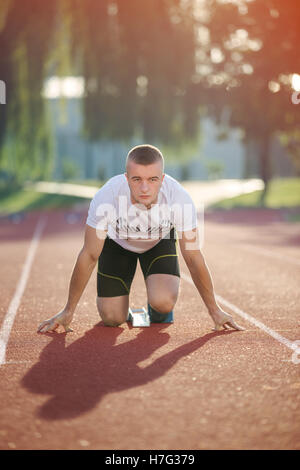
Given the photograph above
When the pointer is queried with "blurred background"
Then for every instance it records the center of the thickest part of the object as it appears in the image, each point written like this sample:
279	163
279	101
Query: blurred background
215	84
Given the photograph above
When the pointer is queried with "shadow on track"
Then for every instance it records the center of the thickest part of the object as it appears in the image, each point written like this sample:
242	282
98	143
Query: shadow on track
78	376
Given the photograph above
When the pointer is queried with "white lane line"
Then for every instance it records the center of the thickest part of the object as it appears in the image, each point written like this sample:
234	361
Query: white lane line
15	302
293	345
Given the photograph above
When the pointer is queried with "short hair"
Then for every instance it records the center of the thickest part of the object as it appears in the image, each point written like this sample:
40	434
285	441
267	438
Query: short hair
145	155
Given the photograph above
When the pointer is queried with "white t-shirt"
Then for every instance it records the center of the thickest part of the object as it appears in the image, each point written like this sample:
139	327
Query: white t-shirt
133	226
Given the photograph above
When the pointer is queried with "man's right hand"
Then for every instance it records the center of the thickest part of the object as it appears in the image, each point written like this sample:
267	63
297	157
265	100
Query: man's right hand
63	318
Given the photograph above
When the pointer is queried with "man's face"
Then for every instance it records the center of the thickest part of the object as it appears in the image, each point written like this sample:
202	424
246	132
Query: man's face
144	182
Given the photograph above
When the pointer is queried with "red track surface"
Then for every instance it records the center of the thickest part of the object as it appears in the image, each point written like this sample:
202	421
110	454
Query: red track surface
179	386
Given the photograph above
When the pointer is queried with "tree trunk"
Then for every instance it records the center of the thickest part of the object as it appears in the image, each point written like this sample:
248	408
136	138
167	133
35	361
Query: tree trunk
265	165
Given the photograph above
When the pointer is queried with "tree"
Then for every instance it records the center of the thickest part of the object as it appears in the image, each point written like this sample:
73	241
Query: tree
137	59
250	55
150	69
25	37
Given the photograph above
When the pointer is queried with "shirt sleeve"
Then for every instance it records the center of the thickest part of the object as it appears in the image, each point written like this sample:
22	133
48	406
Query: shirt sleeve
184	210
101	210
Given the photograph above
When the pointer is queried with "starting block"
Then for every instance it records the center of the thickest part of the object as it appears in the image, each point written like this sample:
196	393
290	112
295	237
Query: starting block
139	317
156	317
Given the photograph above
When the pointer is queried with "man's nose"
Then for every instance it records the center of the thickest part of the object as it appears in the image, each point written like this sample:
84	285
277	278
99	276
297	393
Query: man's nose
144	187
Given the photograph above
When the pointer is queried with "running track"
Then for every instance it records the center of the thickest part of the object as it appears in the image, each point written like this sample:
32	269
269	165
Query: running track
179	386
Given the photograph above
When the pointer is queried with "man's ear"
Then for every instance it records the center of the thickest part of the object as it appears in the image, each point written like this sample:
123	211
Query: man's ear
126	176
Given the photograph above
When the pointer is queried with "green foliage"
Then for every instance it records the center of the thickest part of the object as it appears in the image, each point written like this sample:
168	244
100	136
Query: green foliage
182	152
150	68
291	141
283	192
257	52
215	169
26	30
69	169
137	59
25	200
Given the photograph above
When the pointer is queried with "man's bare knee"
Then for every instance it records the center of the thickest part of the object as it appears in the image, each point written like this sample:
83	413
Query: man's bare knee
112	313
163	305
111	322
112	318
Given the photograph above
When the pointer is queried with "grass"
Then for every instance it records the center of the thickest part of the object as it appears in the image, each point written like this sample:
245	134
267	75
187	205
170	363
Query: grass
25	200
22	199
282	193
95	183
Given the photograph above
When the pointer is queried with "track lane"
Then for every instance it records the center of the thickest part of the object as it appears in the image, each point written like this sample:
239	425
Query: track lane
180	386
265	286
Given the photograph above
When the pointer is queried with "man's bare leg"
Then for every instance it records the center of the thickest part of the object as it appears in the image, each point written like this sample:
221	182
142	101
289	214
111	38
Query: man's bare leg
113	310
162	291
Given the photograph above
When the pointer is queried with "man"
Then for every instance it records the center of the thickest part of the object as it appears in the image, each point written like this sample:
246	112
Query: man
139	215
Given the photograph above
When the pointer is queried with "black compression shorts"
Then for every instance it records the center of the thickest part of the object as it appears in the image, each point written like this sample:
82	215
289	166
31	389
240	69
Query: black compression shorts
117	266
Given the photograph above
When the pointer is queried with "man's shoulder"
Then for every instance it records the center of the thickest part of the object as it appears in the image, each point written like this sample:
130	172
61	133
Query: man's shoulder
176	190
111	186
116	180
173	184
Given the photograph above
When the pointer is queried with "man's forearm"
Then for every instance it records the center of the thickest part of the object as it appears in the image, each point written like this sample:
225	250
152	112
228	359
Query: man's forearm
203	281
82	271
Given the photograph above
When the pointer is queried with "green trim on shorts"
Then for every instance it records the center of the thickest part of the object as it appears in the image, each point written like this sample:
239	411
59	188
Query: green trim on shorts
115	263
117	278
155	259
